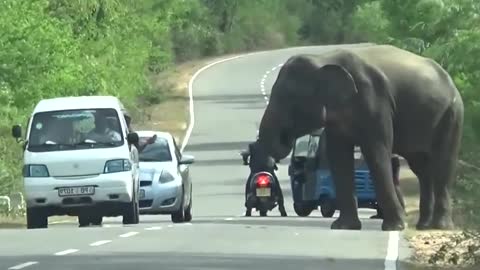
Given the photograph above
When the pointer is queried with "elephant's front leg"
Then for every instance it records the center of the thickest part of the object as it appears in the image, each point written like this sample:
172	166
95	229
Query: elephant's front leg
378	158
341	163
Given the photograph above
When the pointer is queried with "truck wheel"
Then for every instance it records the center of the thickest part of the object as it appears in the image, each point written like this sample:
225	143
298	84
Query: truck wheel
302	210
327	208
36	219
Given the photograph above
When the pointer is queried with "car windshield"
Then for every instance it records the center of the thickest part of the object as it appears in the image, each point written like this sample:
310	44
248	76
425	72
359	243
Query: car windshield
74	129
158	151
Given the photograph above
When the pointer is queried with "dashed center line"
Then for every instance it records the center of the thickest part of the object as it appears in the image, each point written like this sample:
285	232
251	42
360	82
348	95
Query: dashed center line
99	243
65	252
21	266
128	234
153	228
262	82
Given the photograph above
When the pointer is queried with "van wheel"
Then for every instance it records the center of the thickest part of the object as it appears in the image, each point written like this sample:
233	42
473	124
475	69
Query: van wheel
36	219
96	220
179	215
83	220
131	214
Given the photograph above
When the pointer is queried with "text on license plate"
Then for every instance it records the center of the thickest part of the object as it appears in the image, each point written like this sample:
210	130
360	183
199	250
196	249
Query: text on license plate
75	191
263	192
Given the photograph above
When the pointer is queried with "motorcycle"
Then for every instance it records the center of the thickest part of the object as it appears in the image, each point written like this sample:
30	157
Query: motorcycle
262	195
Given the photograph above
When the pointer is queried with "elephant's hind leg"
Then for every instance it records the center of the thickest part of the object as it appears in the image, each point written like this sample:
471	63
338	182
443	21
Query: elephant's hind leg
419	163
444	163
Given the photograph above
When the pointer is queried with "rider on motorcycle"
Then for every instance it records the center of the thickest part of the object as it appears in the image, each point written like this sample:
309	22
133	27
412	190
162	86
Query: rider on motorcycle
260	161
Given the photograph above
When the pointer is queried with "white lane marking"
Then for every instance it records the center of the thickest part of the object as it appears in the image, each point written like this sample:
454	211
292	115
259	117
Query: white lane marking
392	250
59	222
229	218
65	252
153	228
191	123
99	243
21	266
128	234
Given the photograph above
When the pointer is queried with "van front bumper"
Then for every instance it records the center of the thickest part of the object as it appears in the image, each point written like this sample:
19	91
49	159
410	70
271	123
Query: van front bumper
113	188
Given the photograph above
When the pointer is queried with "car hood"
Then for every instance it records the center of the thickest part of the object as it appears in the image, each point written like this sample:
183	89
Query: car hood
152	170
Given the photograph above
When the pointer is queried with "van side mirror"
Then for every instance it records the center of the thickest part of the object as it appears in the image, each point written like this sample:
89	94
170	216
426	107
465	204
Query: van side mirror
17	132
132	138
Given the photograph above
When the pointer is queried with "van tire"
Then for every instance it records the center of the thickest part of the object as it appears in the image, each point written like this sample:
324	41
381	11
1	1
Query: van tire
36	219
327	208
302	210
132	212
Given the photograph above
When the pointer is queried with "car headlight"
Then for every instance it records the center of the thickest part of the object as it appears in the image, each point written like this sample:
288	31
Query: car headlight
117	165
31	170
166	177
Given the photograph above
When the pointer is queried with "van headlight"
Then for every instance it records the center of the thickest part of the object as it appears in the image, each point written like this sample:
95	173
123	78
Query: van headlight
35	170
165	177
117	165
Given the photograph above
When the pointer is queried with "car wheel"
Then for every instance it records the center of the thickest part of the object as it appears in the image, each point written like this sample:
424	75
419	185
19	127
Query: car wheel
36	219
131	214
263	213
188	211
302	210
179	215
327	208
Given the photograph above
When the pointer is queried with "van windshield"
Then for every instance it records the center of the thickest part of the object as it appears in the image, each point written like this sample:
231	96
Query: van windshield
75	129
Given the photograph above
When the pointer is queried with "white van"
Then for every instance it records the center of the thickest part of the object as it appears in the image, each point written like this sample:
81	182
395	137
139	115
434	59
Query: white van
80	160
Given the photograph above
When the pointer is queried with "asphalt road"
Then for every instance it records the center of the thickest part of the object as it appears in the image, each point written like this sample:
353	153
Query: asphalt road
229	99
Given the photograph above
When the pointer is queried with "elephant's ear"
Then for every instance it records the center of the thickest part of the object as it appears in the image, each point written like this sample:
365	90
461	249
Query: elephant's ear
336	85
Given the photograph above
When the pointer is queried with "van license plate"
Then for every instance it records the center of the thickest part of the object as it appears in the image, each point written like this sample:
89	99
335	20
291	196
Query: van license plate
263	192
75	191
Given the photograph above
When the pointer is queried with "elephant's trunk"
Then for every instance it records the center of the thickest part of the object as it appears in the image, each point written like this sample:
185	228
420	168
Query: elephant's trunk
276	138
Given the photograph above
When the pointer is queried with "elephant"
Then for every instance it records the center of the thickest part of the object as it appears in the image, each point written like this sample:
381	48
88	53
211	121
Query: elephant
386	101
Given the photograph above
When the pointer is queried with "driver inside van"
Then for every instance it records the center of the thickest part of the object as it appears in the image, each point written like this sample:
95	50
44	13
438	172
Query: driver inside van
102	132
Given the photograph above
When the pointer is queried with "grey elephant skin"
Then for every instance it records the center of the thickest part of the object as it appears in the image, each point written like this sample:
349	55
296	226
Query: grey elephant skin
384	100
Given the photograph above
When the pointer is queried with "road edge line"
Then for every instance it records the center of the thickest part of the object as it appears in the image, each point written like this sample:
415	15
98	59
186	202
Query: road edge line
191	123
391	258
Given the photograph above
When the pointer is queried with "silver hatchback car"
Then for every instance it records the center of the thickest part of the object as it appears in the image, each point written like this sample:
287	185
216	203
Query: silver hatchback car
165	182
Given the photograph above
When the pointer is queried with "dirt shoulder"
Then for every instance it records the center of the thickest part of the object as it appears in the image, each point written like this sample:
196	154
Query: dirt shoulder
434	249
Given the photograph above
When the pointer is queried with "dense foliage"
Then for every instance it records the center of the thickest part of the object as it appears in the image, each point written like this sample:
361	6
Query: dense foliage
82	47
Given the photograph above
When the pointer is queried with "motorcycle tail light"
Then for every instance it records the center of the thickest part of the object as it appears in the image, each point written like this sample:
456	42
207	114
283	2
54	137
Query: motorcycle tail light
263	180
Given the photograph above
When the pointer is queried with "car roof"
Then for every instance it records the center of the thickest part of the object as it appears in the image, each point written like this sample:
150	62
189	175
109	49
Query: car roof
79	102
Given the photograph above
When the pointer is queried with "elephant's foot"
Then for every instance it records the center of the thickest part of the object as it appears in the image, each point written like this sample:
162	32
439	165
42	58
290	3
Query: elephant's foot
444	222
395	223
423	226
342	223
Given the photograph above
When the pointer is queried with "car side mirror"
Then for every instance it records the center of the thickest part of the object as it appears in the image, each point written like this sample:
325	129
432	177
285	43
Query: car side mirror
132	138
17	132
186	160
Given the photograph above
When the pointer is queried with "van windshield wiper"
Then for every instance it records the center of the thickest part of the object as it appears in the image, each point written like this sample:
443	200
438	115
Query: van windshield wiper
94	143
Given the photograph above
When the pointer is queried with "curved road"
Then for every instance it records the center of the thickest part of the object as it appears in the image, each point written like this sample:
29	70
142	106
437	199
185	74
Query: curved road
229	100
